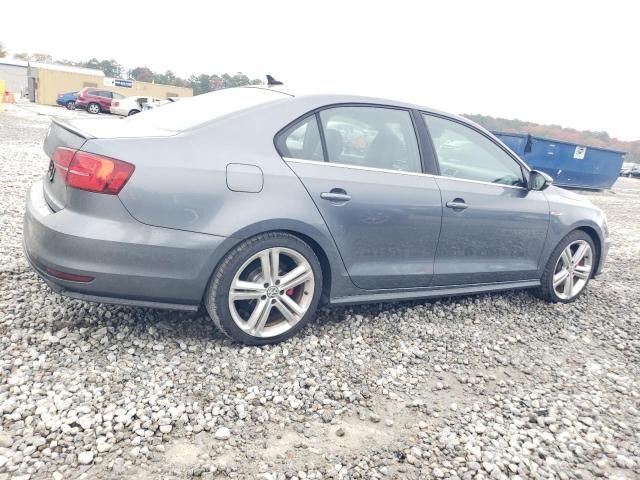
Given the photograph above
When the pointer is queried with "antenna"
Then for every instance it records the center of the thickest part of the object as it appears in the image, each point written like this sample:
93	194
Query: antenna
273	81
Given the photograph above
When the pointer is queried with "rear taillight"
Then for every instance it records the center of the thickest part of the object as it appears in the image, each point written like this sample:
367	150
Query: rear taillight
115	104
93	173
62	158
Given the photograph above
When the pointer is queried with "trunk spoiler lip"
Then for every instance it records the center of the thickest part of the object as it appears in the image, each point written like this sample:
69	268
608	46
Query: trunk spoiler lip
69	127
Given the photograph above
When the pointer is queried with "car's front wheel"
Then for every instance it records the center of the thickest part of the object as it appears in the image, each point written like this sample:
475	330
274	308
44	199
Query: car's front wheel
93	108
266	289
71	105
569	268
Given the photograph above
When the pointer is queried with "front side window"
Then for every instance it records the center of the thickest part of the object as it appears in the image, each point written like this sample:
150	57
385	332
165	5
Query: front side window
467	154
301	140
374	137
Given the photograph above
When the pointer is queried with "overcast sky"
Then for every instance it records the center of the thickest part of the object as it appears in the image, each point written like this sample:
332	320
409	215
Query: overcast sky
573	63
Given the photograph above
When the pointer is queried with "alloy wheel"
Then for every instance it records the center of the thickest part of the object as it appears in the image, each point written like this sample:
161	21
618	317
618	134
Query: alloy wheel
94	108
573	269
271	292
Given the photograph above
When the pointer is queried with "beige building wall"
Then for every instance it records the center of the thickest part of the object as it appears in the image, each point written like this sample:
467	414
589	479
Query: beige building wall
53	82
152	90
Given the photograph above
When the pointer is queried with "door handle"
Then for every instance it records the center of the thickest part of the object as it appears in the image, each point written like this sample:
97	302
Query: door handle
457	204
336	195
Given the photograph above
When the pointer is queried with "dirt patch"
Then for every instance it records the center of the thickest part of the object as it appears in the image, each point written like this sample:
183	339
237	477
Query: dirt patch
183	453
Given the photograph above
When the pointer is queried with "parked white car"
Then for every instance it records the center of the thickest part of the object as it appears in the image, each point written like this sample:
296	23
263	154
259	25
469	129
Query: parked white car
158	103
131	105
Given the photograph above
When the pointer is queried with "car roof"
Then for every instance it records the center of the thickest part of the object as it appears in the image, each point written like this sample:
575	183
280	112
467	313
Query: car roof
332	98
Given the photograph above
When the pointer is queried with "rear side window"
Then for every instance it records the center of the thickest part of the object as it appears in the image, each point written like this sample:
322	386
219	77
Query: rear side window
301	140
465	153
117	95
193	111
375	137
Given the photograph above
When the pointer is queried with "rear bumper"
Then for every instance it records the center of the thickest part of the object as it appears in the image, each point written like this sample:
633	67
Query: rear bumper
118	111
132	263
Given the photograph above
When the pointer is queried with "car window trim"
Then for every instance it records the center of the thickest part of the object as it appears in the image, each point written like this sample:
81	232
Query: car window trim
428	156
399	172
523	166
316	112
323	140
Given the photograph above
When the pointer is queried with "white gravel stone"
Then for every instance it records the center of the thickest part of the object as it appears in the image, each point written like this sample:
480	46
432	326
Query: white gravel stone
85	458
223	433
165	428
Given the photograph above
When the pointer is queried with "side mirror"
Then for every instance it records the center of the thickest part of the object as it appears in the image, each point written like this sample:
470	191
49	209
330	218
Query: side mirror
539	180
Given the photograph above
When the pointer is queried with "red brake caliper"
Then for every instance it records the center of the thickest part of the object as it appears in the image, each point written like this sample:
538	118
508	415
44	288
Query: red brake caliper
289	292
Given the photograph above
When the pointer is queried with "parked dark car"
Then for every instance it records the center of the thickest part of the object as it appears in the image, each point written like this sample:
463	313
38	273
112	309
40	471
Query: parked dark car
630	170
248	201
67	100
96	100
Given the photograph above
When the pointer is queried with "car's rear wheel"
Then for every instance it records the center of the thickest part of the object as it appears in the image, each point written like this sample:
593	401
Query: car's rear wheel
133	112
93	108
71	105
569	268
266	289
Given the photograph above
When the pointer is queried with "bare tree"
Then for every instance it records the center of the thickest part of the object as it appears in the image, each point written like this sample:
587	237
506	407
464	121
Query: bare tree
42	57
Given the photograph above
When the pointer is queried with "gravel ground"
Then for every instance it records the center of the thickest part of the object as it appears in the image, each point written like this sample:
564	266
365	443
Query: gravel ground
490	386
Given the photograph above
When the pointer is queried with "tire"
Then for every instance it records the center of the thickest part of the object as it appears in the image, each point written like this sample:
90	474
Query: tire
244	264
133	112
93	108
71	105
579	272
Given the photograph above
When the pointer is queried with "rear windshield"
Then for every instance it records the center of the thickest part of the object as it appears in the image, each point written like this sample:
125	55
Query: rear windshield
193	111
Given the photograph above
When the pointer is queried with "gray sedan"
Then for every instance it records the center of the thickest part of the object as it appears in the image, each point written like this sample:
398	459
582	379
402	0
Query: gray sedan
259	204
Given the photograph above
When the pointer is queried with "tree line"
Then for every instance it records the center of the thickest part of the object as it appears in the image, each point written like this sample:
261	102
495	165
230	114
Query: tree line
200	83
557	132
204	83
